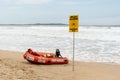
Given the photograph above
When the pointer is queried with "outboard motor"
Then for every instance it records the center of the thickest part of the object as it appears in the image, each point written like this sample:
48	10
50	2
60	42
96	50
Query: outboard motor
58	53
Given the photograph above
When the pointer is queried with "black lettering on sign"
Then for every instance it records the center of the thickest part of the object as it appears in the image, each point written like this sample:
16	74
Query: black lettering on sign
73	28
73	17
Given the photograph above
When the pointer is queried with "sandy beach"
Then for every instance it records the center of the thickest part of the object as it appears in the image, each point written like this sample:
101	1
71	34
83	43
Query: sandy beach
14	67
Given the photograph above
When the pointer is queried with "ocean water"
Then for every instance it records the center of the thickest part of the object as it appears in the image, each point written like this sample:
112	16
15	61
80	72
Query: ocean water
92	43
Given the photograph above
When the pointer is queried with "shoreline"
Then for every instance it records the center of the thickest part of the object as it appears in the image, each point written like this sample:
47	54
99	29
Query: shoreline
14	67
111	63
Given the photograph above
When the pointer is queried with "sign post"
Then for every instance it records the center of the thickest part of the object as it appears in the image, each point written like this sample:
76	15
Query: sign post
73	27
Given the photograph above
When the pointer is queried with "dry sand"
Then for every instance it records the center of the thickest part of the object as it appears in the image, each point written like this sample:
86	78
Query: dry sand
14	67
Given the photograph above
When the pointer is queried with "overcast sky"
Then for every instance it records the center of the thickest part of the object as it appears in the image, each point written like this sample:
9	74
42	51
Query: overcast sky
91	12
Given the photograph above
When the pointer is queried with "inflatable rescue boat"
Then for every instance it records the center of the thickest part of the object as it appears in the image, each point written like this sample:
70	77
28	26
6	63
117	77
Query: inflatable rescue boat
44	58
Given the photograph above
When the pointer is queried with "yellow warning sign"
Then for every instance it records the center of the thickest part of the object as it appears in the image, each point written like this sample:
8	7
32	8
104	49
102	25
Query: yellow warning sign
73	23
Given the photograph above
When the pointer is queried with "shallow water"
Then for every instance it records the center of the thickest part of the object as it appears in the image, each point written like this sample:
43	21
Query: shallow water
92	44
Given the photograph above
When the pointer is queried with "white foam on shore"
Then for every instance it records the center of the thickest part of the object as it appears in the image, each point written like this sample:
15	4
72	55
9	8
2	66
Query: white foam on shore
92	44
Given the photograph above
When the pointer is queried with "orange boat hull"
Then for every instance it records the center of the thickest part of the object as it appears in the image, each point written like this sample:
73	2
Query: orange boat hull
44	59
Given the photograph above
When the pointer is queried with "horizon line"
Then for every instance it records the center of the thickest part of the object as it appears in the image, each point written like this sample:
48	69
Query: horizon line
60	24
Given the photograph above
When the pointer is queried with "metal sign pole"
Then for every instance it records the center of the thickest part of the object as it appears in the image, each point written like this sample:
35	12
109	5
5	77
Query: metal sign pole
73	48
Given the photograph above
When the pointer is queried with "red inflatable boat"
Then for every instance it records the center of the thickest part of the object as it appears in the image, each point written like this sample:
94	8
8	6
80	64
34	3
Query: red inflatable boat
44	58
